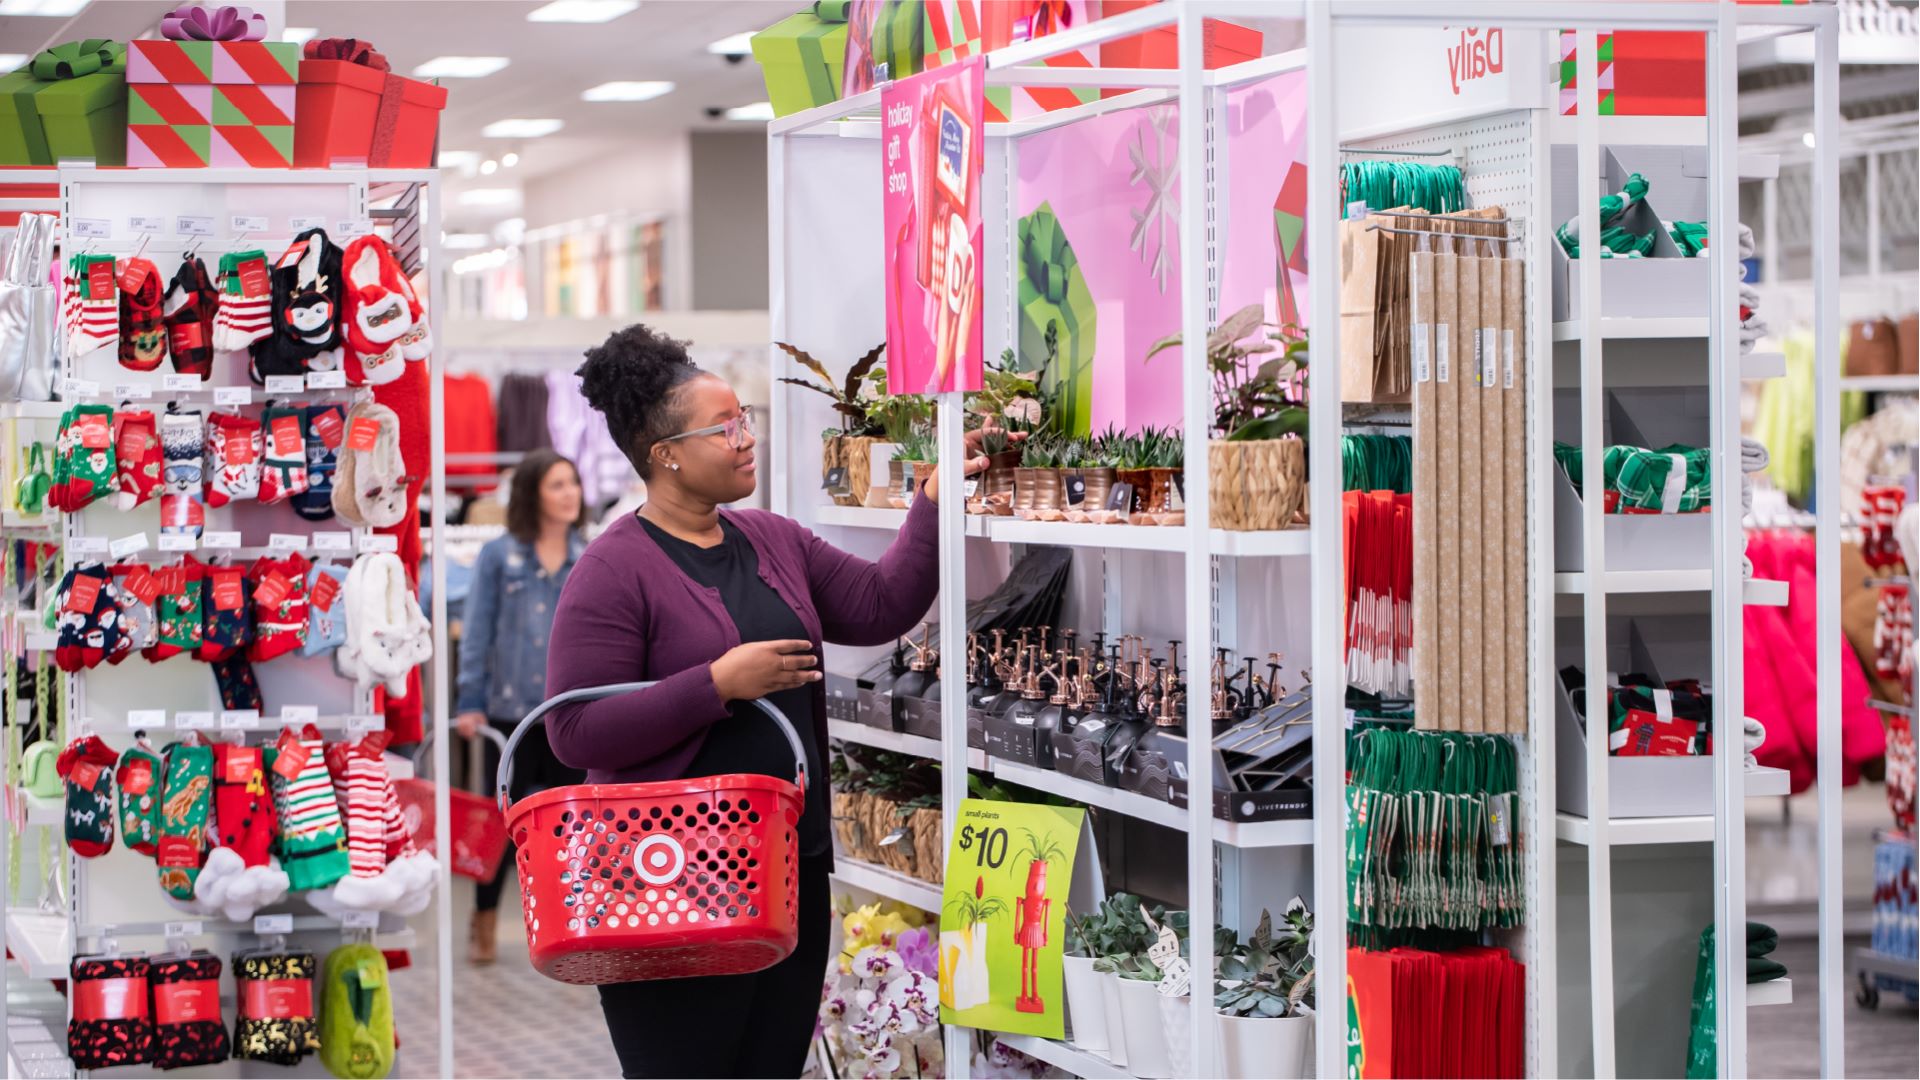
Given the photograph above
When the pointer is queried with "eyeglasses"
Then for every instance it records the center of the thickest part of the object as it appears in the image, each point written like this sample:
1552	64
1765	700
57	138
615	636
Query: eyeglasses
737	430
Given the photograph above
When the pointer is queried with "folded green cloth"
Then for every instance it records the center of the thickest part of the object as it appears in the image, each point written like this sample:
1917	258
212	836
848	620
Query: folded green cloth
1760	969
1702	1062
1639	476
1761	940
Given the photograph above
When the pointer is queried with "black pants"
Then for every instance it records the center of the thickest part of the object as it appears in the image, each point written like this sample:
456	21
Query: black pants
754	1025
534	769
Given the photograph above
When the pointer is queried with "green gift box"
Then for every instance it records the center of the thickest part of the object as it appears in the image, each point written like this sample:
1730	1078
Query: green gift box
899	41
801	57
69	102
1053	295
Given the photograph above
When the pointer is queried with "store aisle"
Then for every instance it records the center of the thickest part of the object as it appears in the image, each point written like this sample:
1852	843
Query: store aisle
1784	1041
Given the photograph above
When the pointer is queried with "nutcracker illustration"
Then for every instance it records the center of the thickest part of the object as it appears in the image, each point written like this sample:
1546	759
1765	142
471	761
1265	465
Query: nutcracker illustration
1030	914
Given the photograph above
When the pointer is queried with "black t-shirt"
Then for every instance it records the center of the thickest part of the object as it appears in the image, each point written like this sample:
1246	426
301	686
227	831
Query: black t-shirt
748	741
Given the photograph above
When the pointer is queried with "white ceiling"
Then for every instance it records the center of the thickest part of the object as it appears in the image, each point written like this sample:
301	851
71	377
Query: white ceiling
550	64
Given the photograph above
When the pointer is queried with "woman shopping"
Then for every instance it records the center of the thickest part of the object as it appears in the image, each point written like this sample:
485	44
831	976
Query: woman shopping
719	607
503	644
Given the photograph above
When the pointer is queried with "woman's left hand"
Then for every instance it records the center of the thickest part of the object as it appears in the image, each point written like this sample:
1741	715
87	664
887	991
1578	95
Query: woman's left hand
976	462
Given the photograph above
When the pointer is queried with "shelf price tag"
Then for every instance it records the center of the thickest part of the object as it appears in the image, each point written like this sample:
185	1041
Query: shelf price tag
372	542
361	723
89	545
233	395
249	223
193	721
272	924
178	542
190	928
220	541
326	380
150	225
192	225
146	719
333	541
92	228
353	227
1010	862
132	391
286	384
180	384
239	719
82	387
360	920
286	542
128	545
299	714
302	224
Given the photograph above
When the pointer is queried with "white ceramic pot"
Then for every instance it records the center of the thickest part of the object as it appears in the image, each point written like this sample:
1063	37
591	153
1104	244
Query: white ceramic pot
1116	1020
1263	1046
879	456
1176	1022
1146	1032
1086	1004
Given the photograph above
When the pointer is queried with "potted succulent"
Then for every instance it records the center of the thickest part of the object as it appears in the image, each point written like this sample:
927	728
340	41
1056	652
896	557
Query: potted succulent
846	447
1257	462
1263	1000
1086	1001
1003	459
916	456
1044	494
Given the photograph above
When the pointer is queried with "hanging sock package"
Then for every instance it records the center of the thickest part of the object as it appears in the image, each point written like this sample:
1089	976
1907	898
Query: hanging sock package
375	313
189	310
92	304
85	465
283	473
326	431
89	620
237	684
185	806
177	609
183	499
138	459
143	329
111	1023
188	1029
227	627
139	774
135	591
370	486
313	843
235	447
387	872
87	767
279	606
276	1021
245	313
305	302
326	617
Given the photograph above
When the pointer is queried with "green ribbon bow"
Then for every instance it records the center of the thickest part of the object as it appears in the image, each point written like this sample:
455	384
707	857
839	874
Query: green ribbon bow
833	11
1044	255
78	58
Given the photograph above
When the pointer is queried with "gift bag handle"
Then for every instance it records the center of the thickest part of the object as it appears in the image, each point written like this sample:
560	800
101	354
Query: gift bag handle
595	693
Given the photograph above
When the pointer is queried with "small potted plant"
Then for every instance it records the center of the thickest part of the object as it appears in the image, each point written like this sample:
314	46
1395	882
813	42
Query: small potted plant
846	447
1121	933
1086	1001
1263	1000
897	418
918	453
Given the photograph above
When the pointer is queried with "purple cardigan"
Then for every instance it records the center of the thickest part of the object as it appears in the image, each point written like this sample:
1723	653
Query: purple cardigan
628	613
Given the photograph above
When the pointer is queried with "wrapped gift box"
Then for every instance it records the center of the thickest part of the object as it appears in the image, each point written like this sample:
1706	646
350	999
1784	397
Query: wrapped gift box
885	40
1641	73
1053	293
194	104
957	29
69	102
801	58
352	107
1223	43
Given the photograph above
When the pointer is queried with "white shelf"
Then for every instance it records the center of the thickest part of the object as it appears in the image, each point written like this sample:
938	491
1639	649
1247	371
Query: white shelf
897	741
881	881
51	812
1281	543
1888	383
1763	365
860	517
1064	1057
1616	328
1772	992
39	943
1622	831
1007	530
1758	591
1764	782
1870	961
1257	834
1634	130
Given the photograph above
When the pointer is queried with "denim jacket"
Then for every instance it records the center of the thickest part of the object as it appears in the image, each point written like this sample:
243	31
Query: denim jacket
508	619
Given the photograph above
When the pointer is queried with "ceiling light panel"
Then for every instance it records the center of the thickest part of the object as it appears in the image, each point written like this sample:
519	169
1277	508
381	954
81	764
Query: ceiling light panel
299	35
627	91
760	111
737	45
521	128
490	196
459	67
41	7
582	11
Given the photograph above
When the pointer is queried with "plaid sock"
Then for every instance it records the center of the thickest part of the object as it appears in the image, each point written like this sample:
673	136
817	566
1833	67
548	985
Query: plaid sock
190	306
143	331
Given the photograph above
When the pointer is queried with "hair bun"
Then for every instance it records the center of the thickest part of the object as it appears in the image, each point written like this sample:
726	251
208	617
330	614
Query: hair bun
630	379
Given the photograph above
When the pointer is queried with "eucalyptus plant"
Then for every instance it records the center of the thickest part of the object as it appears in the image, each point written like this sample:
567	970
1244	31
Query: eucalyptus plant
1271	976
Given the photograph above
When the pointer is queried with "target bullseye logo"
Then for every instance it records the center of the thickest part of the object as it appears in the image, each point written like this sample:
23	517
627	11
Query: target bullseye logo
659	859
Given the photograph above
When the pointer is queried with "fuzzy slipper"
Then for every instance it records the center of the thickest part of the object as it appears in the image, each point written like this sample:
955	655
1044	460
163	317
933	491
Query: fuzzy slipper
369	487
375	315
387	635
306	305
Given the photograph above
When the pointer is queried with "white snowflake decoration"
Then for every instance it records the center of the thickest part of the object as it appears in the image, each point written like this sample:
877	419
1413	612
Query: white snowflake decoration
1160	220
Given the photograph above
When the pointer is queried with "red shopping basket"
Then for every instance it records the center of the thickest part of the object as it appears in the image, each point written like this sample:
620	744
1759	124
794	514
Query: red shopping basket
479	839
663	880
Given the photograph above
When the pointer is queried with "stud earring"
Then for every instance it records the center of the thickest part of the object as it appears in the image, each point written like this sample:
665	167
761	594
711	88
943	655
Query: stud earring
674	465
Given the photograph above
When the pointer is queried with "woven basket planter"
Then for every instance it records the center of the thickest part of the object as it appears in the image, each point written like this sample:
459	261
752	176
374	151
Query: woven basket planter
833	455
882	819
850	824
1257	485
928	851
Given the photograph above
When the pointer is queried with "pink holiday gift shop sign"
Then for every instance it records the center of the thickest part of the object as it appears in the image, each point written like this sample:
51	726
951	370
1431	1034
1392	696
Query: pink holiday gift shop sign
931	148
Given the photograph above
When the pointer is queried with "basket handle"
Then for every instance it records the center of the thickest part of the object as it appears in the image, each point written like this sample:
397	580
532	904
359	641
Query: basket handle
594	693
422	759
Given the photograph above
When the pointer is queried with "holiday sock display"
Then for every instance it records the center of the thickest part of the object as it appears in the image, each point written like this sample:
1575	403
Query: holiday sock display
283	473
84	460
224	601
234	450
183	439
326	429
93	304
111	1023
185	805
369	488
356	1013
245	314
139	775
87	767
190	306
187	1027
276	1021
326	616
143	331
135	589
375	314
313	843
89	621
239	687
138	457
306	301
279	606
242	807
177	609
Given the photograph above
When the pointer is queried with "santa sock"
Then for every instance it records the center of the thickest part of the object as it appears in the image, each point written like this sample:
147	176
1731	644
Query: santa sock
183	443
137	459
139	773
306	306
326	428
92	306
135	589
110	1022
87	767
184	808
89	620
313	843
224	601
246	301
274	1038
283	474
143	332
234	449
241	806
375	314
187	1026
177	610
84	460
239	687
189	308
326	616
370	488
279	607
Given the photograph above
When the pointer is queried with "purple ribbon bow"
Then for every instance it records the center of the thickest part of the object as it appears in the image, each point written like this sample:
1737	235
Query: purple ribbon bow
198	22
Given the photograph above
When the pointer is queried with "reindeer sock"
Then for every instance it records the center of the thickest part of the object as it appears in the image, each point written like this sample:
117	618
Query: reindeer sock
190	306
139	775
183	818
246	301
143	331
87	767
306	305
283	474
